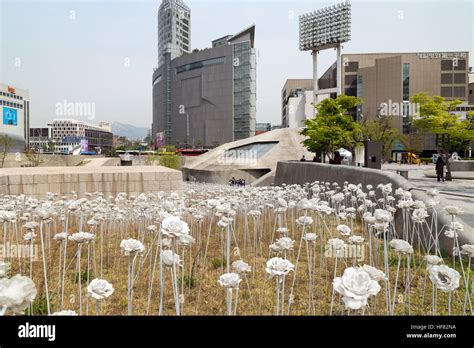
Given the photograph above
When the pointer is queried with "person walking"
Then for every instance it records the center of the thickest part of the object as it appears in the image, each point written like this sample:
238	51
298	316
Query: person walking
440	168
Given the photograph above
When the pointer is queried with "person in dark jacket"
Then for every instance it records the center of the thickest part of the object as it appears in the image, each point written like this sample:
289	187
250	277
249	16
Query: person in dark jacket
440	168
337	158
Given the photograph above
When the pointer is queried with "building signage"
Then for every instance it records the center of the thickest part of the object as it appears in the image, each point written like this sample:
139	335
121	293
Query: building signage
442	55
11	89
10	117
159	139
72	139
84	145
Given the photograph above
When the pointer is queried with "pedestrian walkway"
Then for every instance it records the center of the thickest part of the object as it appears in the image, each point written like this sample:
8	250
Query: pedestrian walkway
458	192
454	175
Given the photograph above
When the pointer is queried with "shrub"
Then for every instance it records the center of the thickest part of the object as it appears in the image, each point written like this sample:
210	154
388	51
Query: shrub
218	263
170	161
83	277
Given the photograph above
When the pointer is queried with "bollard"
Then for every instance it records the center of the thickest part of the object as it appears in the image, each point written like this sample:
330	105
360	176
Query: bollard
403	173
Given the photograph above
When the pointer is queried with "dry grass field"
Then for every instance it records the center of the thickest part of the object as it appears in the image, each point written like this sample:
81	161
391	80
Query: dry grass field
255	217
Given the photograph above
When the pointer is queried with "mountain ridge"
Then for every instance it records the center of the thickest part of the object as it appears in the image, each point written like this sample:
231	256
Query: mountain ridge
130	131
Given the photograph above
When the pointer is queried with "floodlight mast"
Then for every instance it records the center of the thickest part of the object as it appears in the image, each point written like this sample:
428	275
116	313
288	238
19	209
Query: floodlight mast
323	29
338	70
315	79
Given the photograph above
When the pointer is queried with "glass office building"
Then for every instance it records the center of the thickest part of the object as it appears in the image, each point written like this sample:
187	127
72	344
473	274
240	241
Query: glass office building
207	97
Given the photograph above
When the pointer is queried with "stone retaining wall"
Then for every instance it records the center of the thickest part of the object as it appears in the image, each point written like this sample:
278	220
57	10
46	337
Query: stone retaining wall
36	182
462	166
48	160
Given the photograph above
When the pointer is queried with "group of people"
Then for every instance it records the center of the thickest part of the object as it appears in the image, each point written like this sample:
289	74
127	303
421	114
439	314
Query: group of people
336	160
303	159
237	182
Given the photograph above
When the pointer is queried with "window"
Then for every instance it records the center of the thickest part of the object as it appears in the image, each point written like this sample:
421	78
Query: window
351	91
446	79
459	92
406	81
446	64
446	92
200	64
352	67
459	78
461	64
258	149
360	93
350	79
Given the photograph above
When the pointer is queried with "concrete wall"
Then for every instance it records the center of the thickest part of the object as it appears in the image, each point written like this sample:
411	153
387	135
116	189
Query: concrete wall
36	182
219	176
48	160
462	166
291	172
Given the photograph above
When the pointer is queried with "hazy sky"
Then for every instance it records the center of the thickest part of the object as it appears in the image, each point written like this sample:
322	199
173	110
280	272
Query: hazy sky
104	52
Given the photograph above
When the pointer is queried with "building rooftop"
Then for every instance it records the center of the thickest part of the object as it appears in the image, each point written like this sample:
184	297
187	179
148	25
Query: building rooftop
250	30
400	53
80	122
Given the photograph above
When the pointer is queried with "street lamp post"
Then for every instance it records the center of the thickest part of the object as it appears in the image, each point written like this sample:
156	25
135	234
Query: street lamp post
187	128
182	111
315	80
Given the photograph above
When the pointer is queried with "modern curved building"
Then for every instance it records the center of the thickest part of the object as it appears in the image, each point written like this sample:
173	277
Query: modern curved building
207	97
15	116
253	159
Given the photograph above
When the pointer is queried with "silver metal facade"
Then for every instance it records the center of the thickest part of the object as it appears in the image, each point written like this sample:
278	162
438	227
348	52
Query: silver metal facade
211	92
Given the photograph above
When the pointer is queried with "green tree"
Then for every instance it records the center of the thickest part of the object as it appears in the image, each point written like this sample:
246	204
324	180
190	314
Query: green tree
5	145
333	127
413	142
33	156
381	130
170	161
436	116
51	146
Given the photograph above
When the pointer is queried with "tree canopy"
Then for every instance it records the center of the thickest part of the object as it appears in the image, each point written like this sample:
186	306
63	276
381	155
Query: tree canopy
333	127
381	129
436	116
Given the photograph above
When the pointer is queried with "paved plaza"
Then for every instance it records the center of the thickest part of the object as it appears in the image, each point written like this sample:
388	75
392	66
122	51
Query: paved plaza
459	192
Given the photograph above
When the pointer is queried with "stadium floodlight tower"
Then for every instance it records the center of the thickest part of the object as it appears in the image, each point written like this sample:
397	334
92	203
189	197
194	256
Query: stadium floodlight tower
323	29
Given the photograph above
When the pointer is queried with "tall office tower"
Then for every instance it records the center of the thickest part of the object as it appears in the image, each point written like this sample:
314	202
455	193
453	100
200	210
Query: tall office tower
213	94
174	40
174	29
